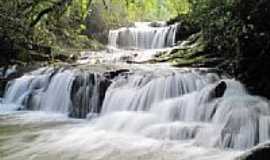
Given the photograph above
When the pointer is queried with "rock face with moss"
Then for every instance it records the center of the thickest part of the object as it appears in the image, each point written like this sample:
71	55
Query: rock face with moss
239	32
190	53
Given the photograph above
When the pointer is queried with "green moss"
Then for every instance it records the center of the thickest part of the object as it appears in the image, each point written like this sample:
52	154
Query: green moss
187	62
188	54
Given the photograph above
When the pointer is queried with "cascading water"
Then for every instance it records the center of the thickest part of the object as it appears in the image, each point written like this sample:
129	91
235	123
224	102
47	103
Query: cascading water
232	120
143	36
146	89
67	91
139	113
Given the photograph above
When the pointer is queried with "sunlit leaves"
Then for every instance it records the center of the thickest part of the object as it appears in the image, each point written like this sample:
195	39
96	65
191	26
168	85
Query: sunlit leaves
84	5
178	7
146	10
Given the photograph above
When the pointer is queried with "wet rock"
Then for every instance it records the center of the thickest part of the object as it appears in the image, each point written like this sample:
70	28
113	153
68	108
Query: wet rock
12	72
157	24
87	94
39	56
73	57
126	58
220	89
185	27
2	87
113	74
61	57
260	152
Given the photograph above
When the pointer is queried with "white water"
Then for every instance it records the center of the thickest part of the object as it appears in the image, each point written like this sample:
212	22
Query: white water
55	137
66	91
44	95
143	36
137	44
150	113
227	122
145	90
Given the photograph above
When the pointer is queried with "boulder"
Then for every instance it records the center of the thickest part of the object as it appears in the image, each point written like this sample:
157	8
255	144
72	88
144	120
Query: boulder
113	74
260	152
157	24
220	89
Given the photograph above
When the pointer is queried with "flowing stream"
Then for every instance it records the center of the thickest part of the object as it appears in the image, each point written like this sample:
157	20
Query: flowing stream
135	112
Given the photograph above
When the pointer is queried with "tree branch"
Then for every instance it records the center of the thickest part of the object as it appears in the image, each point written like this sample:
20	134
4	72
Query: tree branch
57	6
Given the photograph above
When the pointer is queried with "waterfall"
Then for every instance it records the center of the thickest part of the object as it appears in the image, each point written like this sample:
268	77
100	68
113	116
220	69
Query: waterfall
139	111
188	108
70	91
145	89
175	105
143	36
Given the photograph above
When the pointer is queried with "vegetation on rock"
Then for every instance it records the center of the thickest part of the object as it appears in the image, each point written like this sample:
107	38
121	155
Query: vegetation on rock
237	31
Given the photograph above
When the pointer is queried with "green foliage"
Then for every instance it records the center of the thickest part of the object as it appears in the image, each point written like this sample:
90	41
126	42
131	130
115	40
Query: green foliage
216	20
31	24
149	10
178	7
63	30
116	12
237	30
230	26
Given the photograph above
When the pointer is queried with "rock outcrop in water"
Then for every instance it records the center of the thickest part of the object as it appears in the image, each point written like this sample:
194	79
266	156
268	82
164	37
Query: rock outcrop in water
219	90
87	93
260	152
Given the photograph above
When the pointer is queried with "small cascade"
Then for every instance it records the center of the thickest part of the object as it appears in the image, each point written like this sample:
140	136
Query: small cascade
19	89
70	91
56	98
219	114
143	36
139	92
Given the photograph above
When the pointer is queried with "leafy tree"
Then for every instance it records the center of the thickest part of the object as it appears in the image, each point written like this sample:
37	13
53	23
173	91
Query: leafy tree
39	24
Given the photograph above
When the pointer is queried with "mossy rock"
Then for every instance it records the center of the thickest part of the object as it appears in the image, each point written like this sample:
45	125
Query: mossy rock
189	53
180	62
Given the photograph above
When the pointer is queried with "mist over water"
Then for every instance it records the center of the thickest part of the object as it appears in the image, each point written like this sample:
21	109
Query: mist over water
142	114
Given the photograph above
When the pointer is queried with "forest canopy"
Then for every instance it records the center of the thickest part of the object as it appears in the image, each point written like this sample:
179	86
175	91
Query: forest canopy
42	25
